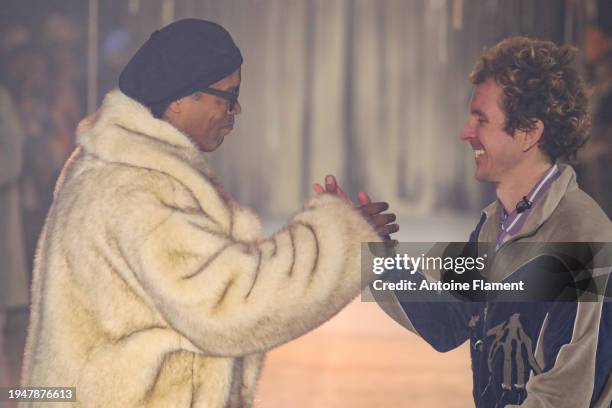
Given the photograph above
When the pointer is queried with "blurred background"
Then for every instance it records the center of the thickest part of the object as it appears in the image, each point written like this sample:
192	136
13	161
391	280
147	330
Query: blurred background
373	91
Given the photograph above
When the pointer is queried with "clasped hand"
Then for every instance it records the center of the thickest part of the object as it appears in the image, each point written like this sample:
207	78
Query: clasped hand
372	212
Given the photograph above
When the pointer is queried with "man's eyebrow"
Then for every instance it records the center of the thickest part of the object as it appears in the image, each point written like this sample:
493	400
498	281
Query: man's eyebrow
479	113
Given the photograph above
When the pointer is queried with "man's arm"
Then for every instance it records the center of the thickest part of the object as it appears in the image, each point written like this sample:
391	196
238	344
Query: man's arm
235	298
444	325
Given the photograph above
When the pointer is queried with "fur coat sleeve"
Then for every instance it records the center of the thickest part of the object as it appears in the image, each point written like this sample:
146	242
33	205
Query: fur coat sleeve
231	296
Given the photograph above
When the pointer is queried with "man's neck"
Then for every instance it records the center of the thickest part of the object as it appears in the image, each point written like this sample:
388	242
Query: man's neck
512	190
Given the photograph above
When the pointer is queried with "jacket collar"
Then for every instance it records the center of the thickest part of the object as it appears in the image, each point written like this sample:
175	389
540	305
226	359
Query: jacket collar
124	131
541	211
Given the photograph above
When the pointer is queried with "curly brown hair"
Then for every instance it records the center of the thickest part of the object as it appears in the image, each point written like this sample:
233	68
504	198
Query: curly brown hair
539	83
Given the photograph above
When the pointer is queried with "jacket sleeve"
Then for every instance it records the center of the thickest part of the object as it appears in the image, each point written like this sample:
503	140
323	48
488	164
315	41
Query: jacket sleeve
11	140
234	298
439	318
443	323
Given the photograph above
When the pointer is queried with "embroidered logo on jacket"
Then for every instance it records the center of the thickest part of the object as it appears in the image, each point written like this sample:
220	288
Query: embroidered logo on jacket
506	334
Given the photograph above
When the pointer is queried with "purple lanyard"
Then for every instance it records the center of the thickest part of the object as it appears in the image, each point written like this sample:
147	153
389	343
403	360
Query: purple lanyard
513	222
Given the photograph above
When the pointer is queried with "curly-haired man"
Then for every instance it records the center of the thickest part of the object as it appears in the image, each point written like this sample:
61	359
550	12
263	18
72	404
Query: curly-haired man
528	114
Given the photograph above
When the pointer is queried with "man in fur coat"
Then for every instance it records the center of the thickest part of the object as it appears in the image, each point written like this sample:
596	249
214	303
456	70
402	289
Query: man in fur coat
152	287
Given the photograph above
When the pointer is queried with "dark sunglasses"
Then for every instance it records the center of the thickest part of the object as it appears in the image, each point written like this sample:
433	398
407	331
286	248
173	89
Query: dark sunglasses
230	97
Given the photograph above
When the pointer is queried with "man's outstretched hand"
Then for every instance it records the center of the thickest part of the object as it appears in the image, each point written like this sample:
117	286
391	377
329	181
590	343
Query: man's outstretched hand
372	212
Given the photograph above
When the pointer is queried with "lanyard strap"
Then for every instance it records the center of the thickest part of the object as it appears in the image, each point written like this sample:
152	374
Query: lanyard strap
512	223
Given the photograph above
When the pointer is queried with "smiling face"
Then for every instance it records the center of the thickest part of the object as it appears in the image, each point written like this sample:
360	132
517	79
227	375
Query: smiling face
496	152
206	118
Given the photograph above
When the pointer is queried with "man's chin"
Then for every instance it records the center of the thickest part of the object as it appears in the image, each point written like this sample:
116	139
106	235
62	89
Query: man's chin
224	131
481	176
214	144
209	147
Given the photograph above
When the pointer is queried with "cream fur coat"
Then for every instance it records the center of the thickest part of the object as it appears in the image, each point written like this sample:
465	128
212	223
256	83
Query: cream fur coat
153	289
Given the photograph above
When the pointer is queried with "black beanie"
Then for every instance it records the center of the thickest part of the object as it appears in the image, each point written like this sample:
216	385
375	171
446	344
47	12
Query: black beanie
178	60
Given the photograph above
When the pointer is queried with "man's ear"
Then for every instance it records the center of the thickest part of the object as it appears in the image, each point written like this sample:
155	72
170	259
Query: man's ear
174	107
530	138
172	111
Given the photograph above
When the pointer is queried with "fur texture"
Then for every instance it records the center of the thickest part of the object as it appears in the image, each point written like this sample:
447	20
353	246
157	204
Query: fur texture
153	288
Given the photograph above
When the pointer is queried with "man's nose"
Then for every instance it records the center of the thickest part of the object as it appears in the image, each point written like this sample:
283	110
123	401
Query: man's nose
237	108
467	132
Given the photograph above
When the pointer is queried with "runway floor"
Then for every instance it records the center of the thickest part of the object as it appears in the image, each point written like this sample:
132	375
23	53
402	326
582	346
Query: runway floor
363	359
